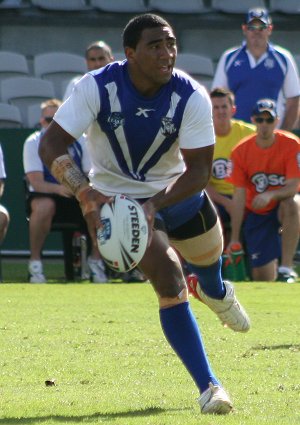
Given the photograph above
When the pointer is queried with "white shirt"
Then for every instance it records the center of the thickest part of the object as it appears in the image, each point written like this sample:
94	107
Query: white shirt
138	125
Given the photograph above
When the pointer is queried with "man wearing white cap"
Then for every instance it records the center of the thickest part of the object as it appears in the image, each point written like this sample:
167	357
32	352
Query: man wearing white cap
258	69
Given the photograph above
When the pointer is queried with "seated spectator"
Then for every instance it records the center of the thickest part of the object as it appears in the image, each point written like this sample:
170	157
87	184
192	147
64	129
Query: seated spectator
4	215
48	198
97	54
228	132
266	175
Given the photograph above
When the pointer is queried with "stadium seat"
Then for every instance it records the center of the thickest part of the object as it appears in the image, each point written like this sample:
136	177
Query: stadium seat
120	5
234	6
179	6
24	91
11	4
195	64
10	116
12	65
34	114
61	5
209	42
58	67
286	6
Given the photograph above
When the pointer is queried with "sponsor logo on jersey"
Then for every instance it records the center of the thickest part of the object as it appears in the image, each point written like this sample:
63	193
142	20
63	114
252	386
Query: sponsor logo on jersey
298	159
143	112
238	62
262	181
220	168
167	126
269	63
115	120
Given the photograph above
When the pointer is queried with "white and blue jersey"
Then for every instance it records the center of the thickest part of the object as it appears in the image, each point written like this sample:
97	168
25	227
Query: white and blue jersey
135	141
273	76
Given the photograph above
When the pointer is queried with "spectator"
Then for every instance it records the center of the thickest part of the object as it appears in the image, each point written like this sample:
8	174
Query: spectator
48	198
152	139
266	176
258	69
4	215
97	54
228	132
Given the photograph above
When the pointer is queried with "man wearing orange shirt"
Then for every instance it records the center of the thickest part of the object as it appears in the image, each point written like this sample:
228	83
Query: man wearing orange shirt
266	175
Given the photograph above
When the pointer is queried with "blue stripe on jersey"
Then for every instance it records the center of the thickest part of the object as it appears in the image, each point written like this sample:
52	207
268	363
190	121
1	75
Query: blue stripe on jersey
250	84
139	129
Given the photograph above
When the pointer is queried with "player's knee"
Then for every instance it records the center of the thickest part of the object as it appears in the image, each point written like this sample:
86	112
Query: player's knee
171	288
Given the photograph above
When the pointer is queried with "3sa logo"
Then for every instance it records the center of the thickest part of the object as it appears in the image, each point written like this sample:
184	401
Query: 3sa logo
262	181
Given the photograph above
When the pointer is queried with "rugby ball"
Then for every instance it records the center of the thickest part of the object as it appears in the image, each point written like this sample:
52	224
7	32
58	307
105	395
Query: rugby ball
122	239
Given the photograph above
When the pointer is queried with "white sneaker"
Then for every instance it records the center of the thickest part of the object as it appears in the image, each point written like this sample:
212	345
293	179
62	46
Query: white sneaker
35	270
97	271
215	400
229	310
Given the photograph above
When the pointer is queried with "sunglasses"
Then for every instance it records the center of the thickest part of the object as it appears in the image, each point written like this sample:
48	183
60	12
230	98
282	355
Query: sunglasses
257	27
260	120
48	119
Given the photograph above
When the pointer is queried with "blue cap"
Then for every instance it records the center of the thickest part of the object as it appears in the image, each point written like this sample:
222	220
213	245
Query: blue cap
258	13
265	105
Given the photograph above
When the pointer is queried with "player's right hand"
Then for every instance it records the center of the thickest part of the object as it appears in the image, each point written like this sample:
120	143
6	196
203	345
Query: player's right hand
90	201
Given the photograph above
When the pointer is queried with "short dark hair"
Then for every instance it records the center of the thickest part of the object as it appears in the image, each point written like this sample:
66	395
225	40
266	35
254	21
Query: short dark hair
133	30
223	92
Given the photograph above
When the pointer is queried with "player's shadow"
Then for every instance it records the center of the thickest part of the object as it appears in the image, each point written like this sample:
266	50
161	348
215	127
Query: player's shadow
107	417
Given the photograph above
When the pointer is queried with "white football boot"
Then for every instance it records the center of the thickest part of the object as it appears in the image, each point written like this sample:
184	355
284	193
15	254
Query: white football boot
35	271
215	401
229	310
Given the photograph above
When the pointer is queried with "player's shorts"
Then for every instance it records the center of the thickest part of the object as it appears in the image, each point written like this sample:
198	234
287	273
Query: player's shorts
262	238
67	209
186	219
194	229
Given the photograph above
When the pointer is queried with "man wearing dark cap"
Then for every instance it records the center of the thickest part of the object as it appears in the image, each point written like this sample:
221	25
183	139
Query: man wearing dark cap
266	174
258	69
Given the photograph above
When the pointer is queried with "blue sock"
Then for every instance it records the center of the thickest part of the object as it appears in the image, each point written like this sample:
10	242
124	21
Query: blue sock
182	332
210	279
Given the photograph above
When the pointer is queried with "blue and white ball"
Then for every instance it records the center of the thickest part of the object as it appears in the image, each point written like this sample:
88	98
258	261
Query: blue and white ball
123	238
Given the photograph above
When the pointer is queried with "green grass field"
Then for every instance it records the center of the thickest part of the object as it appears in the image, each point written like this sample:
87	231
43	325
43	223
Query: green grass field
104	347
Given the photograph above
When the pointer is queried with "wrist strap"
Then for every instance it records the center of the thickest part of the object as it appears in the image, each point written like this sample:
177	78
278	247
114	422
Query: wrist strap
66	171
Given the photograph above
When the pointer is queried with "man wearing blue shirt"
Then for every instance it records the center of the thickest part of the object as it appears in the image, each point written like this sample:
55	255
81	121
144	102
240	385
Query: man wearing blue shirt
258	69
